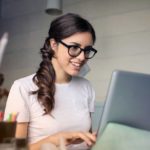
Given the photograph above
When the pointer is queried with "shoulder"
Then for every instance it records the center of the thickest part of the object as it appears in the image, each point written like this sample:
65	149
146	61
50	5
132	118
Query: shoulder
25	80
25	83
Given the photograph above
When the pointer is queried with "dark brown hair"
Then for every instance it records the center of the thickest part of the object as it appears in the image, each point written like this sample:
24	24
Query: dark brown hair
62	27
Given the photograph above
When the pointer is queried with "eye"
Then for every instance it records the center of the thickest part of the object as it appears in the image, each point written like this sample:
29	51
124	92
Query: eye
74	47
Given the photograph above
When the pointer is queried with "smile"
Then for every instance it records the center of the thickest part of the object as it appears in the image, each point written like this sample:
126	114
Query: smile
76	65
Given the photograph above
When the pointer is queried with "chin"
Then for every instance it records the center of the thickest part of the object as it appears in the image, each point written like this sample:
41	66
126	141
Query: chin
74	73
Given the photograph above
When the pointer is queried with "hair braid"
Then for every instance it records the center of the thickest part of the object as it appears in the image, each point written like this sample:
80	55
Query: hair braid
45	79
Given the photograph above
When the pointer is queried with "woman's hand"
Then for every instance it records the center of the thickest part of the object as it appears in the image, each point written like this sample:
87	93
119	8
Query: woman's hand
63	139
74	138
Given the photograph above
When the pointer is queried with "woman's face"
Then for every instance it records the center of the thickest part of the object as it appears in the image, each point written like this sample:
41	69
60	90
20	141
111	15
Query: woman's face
67	64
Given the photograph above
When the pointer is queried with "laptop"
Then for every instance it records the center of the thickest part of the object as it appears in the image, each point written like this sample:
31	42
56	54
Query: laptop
127	101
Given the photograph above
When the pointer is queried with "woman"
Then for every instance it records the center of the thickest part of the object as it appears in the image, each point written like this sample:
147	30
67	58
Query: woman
56	102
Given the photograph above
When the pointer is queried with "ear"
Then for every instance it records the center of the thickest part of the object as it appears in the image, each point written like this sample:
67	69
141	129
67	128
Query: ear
53	44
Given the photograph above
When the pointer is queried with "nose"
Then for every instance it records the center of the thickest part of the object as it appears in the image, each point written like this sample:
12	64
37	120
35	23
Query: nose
81	56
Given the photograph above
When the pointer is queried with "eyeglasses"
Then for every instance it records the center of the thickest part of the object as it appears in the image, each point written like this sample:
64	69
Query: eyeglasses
75	50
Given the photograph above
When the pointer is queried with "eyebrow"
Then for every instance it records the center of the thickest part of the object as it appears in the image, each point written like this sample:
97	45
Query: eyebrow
78	44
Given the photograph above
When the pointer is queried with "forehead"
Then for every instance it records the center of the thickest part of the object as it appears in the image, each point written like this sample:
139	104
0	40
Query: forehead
83	38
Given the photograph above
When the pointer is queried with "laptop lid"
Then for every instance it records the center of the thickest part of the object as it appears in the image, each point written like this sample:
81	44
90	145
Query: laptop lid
127	101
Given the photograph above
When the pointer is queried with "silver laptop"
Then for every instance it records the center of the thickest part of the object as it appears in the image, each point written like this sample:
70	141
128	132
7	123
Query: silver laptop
127	101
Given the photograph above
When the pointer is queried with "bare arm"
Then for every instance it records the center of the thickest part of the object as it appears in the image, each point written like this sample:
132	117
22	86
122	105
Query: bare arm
21	130
70	137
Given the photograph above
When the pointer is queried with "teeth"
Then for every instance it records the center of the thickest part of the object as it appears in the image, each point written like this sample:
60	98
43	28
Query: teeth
76	64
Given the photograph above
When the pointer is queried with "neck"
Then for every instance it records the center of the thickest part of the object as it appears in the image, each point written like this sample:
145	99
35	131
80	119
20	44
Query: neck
61	76
62	79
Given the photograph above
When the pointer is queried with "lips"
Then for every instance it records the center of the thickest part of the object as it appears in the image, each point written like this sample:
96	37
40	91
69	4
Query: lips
76	65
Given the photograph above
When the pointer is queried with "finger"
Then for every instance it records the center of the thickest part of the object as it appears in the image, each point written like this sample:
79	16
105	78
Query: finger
91	136
87	137
94	133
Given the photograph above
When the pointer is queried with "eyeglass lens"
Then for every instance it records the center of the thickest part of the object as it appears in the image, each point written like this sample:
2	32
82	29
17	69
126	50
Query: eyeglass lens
75	51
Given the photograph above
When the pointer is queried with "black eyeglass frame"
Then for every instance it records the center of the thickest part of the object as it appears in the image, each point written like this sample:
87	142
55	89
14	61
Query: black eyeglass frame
81	49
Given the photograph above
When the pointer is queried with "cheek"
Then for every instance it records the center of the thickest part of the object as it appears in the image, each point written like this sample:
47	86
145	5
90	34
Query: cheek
63	56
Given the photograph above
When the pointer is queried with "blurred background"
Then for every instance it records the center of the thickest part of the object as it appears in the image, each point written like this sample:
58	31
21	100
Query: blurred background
122	28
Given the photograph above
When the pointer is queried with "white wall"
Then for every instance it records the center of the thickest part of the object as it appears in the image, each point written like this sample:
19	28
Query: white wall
122	28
